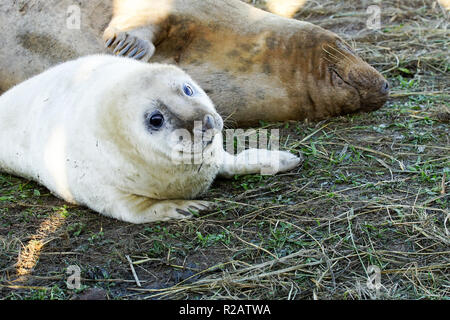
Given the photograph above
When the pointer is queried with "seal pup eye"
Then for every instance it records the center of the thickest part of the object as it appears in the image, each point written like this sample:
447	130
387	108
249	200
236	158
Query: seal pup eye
155	120
187	89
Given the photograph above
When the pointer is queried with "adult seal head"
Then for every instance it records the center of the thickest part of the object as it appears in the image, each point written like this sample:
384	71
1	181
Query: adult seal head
104	132
253	64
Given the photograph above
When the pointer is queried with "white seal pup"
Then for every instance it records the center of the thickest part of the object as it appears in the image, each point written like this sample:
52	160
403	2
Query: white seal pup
97	131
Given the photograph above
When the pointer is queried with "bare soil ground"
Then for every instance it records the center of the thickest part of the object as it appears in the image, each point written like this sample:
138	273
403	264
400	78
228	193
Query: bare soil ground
373	191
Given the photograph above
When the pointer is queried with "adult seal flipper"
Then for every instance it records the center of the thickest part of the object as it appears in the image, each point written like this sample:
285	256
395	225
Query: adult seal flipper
104	132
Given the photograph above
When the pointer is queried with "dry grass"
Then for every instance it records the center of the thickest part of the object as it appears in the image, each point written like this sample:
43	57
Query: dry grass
373	190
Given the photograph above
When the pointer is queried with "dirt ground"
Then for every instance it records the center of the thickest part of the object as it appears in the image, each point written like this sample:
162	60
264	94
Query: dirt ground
372	194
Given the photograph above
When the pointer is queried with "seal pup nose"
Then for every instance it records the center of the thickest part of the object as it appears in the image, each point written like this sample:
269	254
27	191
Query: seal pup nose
211	126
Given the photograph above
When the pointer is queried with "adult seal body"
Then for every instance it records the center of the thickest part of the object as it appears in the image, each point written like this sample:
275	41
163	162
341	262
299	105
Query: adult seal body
253	64
104	132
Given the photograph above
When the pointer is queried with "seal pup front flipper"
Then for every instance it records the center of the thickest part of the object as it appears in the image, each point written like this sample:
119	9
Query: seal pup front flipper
257	161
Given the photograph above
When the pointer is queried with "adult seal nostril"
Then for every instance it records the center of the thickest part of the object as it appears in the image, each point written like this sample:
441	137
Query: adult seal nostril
385	87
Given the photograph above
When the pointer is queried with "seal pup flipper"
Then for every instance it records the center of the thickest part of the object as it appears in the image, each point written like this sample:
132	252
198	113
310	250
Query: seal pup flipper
131	44
140	209
257	161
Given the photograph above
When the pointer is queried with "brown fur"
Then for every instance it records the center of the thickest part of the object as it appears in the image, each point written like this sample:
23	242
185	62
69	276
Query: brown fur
253	64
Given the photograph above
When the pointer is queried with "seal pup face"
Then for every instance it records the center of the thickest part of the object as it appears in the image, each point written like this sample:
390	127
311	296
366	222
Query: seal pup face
160	112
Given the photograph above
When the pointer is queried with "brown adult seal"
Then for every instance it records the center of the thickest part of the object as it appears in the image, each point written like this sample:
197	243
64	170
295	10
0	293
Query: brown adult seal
253	64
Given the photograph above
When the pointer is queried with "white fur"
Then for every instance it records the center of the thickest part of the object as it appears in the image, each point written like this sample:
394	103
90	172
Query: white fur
79	129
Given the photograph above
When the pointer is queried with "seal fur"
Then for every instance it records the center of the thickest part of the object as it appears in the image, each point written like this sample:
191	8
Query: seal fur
253	64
